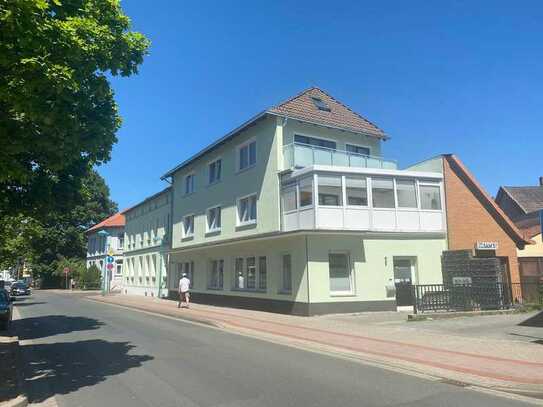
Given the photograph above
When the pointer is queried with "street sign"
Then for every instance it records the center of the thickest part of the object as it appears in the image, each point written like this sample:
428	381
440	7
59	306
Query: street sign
110	259
109	266
66	270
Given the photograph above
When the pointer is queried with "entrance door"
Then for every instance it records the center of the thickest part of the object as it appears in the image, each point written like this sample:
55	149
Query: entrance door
404	278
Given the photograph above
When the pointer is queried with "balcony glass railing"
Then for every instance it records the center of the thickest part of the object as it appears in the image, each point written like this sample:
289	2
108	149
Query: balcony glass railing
304	155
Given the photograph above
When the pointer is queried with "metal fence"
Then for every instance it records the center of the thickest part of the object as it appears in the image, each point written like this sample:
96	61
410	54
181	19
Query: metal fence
472	297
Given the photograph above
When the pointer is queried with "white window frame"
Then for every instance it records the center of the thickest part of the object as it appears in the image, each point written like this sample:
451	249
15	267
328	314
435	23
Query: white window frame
184	234
250	221
245	273
441	196
346	198
215	229
193	186
239	147
220	280
216	180
408	208
350	266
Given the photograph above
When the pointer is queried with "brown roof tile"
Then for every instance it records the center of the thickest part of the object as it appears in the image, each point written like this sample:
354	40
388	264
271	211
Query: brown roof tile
529	199
302	107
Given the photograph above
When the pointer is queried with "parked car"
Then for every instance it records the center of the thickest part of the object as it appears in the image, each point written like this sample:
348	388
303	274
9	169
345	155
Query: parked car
6	309
20	288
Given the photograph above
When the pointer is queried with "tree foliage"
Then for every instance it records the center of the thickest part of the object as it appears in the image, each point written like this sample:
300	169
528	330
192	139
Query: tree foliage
57	111
44	243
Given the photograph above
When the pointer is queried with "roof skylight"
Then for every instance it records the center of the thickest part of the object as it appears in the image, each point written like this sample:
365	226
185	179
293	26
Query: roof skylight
320	104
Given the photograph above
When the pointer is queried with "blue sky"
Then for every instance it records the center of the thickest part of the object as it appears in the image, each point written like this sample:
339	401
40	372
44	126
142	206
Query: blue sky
459	77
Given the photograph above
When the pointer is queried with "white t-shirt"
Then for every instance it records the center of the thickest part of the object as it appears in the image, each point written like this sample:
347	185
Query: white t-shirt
184	284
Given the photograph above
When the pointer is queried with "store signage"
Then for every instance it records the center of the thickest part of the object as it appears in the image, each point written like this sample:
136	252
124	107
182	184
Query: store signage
486	246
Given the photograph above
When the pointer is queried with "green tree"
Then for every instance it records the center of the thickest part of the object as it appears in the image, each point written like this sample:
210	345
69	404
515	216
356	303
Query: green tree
58	236
57	111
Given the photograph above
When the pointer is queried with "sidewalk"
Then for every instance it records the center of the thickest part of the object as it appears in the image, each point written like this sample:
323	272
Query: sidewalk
10	385
498	364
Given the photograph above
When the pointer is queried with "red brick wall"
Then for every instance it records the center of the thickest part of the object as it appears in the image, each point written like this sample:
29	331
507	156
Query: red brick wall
469	220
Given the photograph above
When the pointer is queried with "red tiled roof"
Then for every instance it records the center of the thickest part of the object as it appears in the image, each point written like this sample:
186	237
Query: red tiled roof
113	221
302	107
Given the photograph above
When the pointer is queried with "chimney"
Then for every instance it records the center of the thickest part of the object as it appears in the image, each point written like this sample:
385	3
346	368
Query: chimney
541	181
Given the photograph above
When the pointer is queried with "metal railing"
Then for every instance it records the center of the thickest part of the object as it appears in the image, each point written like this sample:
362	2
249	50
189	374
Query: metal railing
304	155
473	297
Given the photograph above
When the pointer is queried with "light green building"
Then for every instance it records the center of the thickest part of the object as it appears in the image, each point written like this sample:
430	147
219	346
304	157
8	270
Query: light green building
146	246
296	211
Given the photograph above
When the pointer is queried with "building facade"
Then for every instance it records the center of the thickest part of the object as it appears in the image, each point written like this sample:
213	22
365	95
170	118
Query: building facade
523	205
146	246
104	239
297	211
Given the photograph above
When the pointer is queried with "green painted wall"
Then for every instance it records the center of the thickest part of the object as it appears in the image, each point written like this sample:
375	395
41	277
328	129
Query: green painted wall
273	249
371	273
431	165
261	179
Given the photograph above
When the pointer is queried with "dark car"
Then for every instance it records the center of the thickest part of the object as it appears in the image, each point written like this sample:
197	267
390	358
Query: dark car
19	288
6	309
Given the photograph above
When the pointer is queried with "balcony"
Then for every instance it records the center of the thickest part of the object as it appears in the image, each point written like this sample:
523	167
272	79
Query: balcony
297	155
362	200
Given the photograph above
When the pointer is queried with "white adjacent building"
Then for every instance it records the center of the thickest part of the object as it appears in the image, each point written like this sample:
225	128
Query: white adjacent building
102	239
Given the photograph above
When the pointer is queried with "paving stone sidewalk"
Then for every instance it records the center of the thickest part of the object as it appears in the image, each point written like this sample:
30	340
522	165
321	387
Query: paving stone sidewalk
487	362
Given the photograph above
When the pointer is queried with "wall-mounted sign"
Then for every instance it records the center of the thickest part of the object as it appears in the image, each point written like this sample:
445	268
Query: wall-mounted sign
461	280
486	245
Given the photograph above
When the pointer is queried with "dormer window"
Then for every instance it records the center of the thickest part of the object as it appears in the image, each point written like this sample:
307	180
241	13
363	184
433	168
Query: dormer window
320	104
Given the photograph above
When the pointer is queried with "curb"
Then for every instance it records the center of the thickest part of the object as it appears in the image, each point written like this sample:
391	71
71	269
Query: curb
21	400
460	314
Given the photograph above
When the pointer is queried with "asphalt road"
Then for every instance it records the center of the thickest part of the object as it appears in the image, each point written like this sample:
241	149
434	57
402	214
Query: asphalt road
91	354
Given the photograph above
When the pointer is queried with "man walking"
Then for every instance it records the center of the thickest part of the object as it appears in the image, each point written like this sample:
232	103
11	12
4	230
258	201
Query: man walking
184	295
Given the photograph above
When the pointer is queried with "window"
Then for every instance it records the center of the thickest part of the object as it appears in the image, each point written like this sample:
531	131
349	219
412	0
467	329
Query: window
188	268
406	192
286	275
119	268
351	148
189	184
215	171
247	155
121	241
306	192
382	193
430	197
249	277
340	273
289	201
240	279
320	104
330	192
216	278
357	192
188	226
247	210
214	219
262	273
312	141
251	273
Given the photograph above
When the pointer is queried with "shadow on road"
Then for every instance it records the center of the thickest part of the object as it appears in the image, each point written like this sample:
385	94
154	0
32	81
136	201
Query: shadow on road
50	325
61	368
535	321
